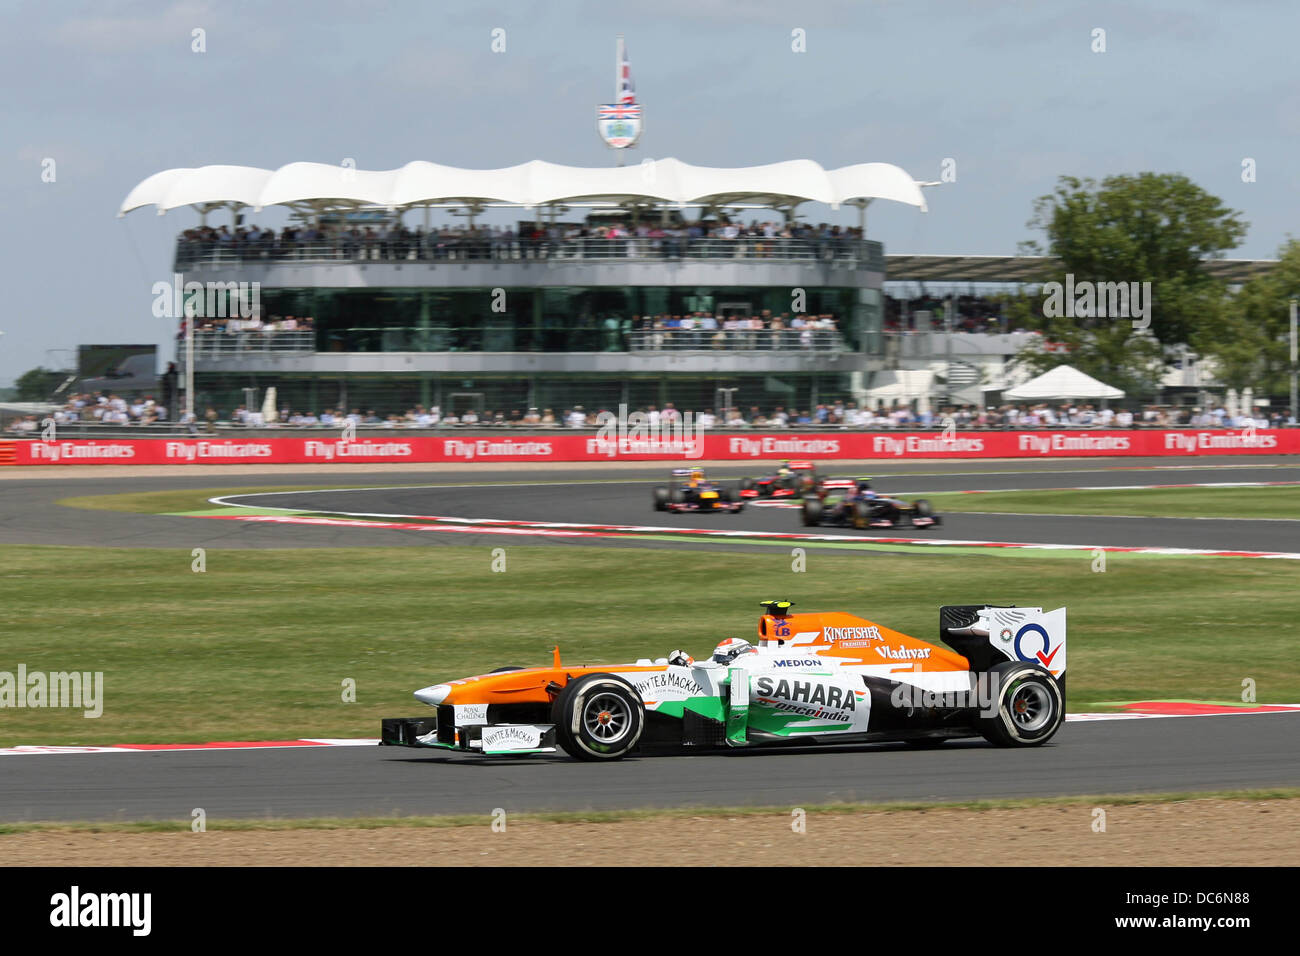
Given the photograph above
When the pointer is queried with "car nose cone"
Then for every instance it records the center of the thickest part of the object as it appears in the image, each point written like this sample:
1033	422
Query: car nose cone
433	695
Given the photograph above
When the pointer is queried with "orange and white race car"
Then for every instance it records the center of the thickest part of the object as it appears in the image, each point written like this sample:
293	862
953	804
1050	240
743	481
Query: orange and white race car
823	677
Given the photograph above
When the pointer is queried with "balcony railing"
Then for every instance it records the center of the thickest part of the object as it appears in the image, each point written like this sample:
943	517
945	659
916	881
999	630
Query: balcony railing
736	340
852	253
220	343
208	342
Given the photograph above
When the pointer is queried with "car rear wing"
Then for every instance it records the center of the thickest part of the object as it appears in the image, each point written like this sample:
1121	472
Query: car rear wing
987	634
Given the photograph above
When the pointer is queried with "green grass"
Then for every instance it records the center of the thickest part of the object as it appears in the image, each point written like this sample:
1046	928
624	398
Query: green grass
1266	502
452	821
257	647
173	502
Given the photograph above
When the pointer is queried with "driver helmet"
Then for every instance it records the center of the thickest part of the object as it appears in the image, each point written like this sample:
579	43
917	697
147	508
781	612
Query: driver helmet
864	484
732	648
697	475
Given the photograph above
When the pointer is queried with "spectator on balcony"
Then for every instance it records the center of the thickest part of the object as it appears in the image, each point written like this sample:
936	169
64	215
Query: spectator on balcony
689	337
776	334
672	325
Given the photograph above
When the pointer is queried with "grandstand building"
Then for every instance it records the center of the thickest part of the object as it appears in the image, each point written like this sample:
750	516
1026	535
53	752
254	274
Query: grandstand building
602	290
664	282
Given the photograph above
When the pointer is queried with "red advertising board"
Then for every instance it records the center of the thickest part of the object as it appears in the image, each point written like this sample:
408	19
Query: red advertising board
746	446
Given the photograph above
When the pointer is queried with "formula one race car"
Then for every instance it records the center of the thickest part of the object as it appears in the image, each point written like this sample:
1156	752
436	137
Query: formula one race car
807	678
689	490
845	502
793	479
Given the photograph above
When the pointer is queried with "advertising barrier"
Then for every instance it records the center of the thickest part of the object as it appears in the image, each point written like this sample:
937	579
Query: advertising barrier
320	449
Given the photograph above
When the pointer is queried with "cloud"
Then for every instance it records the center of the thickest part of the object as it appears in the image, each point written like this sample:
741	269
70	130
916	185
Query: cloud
130	34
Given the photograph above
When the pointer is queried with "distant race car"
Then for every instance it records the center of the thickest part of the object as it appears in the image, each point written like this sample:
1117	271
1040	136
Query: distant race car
807	678
793	479
848	502
689	490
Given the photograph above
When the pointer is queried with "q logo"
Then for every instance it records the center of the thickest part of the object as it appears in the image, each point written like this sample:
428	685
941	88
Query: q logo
1042	656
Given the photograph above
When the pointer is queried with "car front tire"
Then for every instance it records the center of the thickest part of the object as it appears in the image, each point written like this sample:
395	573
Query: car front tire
598	717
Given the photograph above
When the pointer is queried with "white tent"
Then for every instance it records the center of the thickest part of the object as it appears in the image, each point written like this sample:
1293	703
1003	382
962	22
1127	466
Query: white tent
903	386
1060	384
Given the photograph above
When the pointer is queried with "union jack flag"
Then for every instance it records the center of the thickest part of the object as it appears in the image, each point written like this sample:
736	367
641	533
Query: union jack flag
620	111
626	89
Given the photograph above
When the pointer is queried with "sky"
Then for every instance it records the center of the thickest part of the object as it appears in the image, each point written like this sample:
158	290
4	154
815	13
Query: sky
1013	95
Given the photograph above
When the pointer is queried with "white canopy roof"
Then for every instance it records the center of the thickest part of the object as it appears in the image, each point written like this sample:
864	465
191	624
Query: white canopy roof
530	184
1062	383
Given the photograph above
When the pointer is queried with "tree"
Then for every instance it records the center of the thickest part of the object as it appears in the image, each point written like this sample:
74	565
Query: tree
1250	342
37	385
1152	227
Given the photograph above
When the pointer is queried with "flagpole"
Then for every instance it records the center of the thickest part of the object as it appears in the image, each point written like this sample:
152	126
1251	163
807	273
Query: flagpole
618	87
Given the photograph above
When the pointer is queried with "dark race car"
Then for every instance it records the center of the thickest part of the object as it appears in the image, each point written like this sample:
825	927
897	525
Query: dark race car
689	490
849	503
793	479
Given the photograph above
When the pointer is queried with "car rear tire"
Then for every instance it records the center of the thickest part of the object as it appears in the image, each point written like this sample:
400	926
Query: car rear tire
746	484
812	512
598	717
861	514
1030	706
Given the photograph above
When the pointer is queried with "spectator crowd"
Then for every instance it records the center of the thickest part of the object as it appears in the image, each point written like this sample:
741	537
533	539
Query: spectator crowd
972	313
110	409
395	241
699	330
97	408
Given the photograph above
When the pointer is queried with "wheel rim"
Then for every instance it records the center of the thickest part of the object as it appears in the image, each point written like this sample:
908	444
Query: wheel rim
1030	707
607	718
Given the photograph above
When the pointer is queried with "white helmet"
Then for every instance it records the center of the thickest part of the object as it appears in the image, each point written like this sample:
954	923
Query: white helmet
731	648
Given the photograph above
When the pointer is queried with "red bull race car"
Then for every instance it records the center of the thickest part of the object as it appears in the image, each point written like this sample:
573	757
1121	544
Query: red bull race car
819	678
851	503
689	490
793	479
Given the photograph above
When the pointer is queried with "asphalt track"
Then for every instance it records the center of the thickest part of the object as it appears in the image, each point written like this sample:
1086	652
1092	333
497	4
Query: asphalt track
1093	757
629	503
1122	756
28	514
